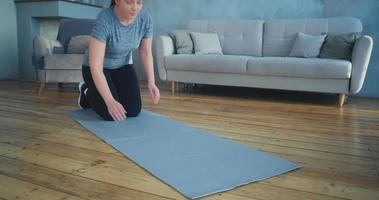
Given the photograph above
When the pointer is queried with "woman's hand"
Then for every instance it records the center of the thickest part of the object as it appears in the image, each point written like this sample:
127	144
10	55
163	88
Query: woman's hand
116	110
154	92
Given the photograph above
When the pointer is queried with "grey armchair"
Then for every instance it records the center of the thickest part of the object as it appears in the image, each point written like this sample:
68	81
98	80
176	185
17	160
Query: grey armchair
52	62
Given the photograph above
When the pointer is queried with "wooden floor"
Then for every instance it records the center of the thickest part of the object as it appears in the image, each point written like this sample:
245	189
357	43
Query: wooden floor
46	155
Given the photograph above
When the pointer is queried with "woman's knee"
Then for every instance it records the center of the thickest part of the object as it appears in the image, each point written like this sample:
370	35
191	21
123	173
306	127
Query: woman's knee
134	112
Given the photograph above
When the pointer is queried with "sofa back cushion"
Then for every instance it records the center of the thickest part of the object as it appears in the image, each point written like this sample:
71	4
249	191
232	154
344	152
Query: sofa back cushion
279	35
237	37
182	41
307	46
339	46
206	43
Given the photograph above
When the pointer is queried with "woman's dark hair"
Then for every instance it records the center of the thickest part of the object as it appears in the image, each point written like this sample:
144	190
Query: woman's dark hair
113	3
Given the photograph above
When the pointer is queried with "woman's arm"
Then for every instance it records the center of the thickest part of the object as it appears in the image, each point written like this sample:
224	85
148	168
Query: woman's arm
96	54
146	56
147	59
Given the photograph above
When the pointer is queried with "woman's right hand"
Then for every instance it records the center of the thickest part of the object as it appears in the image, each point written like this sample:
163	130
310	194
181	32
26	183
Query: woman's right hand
116	110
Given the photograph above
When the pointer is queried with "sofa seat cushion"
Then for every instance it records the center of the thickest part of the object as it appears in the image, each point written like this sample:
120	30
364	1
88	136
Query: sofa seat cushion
207	63
299	67
63	61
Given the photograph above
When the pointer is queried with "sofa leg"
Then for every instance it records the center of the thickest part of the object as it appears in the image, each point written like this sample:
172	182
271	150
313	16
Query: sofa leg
40	88
341	99
173	87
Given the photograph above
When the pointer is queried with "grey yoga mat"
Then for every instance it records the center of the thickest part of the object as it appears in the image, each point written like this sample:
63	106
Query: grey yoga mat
193	162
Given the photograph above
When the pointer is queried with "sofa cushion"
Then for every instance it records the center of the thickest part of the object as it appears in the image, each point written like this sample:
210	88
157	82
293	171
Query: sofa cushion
63	76
206	43
299	67
63	61
182	40
207	63
78	44
237	37
279	35
307	46
339	46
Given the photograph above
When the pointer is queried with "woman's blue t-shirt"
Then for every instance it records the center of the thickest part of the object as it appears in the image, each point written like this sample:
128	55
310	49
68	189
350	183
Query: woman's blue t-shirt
120	40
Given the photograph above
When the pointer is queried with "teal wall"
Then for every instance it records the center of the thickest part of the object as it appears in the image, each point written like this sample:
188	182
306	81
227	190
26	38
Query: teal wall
169	14
8	40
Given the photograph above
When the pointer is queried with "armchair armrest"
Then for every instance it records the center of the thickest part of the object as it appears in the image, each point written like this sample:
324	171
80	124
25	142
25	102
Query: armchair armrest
164	47
360	60
42	47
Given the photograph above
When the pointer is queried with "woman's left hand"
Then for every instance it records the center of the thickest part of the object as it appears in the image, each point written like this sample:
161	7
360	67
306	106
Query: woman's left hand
154	92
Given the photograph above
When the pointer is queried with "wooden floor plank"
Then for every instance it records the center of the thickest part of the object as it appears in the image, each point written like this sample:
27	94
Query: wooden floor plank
68	183
141	181
11	188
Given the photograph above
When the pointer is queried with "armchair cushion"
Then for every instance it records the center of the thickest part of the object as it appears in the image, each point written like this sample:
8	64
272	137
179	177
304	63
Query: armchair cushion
63	61
78	44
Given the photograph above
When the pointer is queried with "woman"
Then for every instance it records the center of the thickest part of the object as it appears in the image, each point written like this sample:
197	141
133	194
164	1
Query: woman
111	86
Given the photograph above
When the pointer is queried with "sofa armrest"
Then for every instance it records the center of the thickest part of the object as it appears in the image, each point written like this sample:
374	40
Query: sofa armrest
42	47
360	60
164	47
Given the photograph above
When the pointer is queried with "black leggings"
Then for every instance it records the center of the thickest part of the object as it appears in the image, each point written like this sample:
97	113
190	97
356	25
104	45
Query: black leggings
124	87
